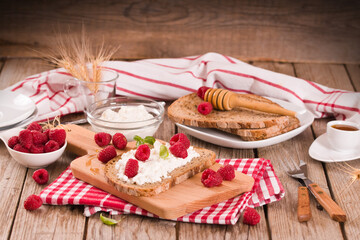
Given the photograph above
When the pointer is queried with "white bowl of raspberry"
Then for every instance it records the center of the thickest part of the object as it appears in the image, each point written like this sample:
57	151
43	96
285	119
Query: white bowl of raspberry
128	116
32	155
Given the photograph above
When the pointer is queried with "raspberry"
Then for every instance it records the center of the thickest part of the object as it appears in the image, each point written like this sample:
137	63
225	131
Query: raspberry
205	108
142	153
26	138
119	141
131	168
39	138
210	178
251	216
37	149
182	138
35	126
178	150
227	172
18	147
201	92
51	146
41	176
107	154
102	139
13	141
58	135
32	202
47	133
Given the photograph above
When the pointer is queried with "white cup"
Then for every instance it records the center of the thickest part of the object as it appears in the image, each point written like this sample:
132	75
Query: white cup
341	138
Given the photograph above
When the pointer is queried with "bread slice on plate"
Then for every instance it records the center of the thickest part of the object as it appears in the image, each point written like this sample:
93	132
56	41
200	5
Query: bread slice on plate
249	125
178	175
184	111
256	134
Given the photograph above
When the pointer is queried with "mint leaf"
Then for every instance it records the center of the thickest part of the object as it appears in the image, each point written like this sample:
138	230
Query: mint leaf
108	221
164	153
139	140
150	140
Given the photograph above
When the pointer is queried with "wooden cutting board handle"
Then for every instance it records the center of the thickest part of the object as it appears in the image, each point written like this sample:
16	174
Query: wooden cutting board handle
303	210
334	210
80	140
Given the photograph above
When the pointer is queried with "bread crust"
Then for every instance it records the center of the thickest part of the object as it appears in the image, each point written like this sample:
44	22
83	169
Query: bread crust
178	175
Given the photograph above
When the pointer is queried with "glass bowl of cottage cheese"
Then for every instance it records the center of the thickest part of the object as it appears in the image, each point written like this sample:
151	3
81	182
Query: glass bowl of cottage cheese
125	115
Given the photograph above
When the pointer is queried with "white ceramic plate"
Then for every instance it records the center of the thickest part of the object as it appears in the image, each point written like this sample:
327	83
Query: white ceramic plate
24	122
224	139
14	107
320	150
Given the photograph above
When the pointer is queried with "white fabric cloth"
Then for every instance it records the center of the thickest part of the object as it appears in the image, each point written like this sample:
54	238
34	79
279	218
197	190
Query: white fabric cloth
169	79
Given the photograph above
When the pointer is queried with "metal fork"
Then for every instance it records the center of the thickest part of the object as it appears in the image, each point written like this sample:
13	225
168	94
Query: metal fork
303	207
300	172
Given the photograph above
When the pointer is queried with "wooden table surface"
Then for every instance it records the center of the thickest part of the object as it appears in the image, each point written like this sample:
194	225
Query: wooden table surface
313	40
278	220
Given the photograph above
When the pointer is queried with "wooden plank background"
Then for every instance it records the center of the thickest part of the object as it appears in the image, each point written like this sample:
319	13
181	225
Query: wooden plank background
292	31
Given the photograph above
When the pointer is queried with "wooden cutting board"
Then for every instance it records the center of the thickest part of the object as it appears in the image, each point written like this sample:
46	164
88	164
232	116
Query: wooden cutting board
184	198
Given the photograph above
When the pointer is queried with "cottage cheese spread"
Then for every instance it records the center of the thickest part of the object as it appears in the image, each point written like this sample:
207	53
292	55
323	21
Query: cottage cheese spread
126	114
155	168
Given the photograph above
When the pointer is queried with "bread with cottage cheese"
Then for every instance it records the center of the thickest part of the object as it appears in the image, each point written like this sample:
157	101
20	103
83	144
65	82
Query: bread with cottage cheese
178	175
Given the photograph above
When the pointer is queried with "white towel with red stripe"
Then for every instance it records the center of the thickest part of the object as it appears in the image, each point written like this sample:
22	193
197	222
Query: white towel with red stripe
66	189
169	79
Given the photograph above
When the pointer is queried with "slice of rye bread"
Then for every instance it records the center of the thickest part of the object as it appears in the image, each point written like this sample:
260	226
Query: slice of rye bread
263	133
178	175
184	111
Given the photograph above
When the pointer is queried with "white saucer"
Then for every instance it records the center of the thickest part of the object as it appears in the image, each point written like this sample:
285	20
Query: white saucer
320	150
14	108
225	139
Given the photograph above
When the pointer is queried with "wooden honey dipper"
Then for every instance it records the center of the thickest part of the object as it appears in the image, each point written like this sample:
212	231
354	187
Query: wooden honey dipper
223	99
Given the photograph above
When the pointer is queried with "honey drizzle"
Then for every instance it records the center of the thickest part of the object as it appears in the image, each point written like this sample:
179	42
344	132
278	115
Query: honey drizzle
95	171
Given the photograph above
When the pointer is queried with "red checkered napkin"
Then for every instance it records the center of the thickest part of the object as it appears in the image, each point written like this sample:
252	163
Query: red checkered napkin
66	189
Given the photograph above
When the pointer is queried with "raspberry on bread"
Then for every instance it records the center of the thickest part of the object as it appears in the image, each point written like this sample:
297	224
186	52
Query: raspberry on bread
178	150
142	152
131	168
201	92
180	137
107	154
205	108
